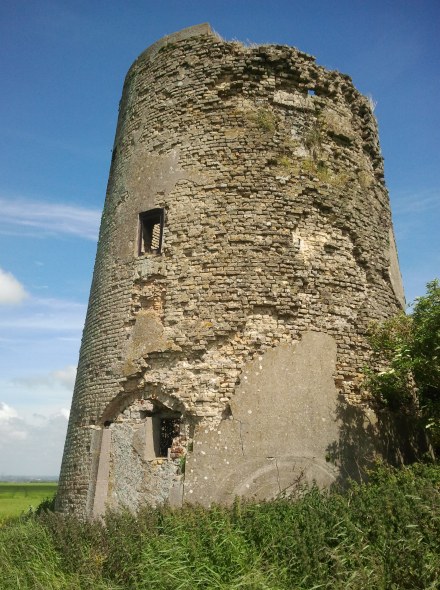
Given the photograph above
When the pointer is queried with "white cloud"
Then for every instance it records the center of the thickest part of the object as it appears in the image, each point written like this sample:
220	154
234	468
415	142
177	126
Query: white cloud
31	446
46	315
11	290
406	203
6	412
10	424
64	378
24	216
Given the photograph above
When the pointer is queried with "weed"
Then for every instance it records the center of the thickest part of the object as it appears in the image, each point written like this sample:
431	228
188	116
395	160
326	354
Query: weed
340	179
264	119
308	166
365	179
313	139
284	162
324	174
371	102
383	534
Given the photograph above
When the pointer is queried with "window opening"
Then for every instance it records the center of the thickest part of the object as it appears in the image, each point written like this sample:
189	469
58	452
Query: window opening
150	231
169	429
162	426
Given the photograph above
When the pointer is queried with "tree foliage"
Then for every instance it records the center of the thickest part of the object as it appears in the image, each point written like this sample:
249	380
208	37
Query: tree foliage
407	350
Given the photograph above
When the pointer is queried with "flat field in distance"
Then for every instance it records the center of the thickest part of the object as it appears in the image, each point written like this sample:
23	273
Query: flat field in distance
16	498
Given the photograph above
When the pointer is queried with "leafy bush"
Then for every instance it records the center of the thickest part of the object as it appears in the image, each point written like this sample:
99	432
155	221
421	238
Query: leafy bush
408	347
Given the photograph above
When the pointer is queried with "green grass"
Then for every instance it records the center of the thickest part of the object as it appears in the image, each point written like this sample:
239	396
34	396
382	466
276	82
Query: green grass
384	535
16	498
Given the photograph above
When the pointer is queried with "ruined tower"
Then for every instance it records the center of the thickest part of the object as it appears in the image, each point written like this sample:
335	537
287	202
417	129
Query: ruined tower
245	245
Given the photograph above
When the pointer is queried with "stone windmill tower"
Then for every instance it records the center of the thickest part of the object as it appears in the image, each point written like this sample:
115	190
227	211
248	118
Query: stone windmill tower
246	243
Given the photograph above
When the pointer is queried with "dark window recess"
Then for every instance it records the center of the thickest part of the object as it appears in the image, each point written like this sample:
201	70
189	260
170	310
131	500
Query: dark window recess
169	428
150	231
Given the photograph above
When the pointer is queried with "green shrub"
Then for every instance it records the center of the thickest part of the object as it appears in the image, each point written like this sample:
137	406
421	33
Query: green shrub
408	348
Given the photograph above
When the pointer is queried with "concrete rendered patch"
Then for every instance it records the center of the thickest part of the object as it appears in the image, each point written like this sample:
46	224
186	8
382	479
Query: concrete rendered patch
282	423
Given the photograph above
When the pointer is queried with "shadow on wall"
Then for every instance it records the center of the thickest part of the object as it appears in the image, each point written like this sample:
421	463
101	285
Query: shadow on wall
370	434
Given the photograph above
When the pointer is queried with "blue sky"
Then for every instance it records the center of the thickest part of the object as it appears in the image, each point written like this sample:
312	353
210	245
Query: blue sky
62	66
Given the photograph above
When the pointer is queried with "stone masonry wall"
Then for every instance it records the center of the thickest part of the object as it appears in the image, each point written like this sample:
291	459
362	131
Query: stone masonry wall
277	253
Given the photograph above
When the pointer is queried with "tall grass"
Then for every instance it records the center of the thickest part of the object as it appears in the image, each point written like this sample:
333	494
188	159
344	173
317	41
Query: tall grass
380	535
